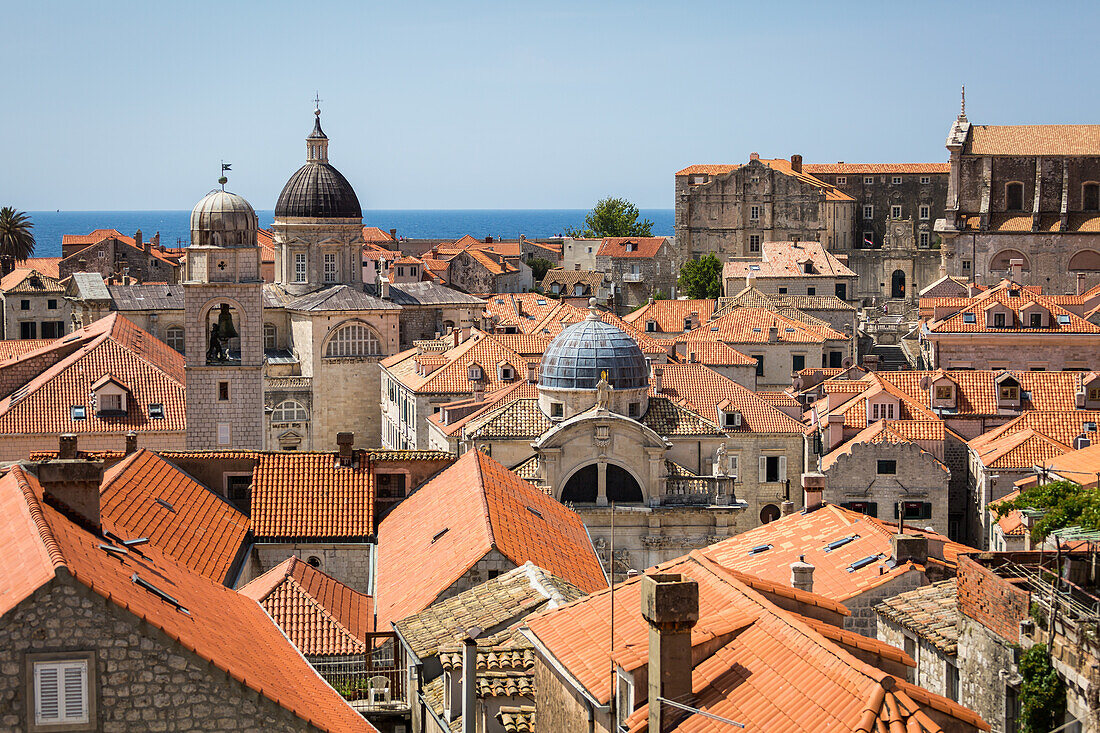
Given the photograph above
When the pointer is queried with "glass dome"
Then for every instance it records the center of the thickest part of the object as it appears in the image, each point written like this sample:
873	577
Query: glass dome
581	351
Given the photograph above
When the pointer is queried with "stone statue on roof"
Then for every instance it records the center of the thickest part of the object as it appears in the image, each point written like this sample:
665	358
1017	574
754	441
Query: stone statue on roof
603	392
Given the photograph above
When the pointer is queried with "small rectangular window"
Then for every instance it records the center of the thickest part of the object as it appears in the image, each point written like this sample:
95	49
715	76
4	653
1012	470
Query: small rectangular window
1036	320
926	179
798	362
61	695
557	409
895	212
811	291
999	320
223	391
24	305
943	391
966	265
868	211
896	180
632	410
771	469
782	290
79	412
110	403
299	267
754	212
759	364
51	304
156	411
224	433
841	180
330	267
868	180
754	243
924	240
887	467
925	212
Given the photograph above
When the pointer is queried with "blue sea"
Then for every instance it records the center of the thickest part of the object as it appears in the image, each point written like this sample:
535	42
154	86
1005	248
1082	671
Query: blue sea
174	226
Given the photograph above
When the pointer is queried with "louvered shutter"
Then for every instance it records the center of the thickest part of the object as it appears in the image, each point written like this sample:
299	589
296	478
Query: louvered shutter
47	708
75	690
763	469
782	468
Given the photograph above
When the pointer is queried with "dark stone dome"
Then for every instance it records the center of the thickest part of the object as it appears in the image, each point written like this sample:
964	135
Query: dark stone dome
319	191
575	358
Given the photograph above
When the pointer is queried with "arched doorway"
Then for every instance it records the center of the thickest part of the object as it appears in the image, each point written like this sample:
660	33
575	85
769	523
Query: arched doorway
769	513
897	284
583	486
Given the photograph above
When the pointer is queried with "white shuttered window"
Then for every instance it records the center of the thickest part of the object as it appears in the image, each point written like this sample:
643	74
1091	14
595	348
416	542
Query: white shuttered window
61	692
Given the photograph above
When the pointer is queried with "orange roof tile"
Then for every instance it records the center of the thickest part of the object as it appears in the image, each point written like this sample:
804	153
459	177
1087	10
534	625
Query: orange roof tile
755	663
96	237
782	165
642	246
566	314
31	281
11	348
152	371
977	391
432	538
809	534
48	266
873	168
197	528
222	626
1019	449
523	310
669	315
703	389
375	234
749	325
1034	140
309	495
980	304
452	376
514	391
712	353
787	260
320	615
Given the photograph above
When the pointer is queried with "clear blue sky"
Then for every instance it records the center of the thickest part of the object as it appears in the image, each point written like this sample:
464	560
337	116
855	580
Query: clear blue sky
512	104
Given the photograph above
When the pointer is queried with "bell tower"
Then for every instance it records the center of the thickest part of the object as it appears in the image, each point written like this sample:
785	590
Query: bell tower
223	301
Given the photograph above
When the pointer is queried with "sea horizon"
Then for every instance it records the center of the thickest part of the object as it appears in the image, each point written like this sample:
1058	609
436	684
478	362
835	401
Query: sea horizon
174	224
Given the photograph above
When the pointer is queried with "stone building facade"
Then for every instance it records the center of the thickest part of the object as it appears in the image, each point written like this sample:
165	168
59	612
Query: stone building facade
1023	192
142	678
34	306
728	210
118	256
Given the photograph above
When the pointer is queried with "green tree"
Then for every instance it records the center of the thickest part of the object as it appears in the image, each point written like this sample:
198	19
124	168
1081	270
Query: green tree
1042	693
16	237
701	278
612	217
1063	503
539	266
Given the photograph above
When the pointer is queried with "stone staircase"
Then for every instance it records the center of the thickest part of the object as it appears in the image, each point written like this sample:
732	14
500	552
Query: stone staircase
891	358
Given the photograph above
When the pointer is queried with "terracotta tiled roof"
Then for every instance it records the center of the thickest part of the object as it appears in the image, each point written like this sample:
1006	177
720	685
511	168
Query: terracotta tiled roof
712	353
374	234
786	260
566	314
500	601
642	246
779	399
980	304
526	344
810	534
713	169
782	165
320	615
703	389
746	671
523	310
309	495
567	279
751	326
443	529
931	612
29	281
152	371
494	400
1019	449
894	432
96	237
48	266
265	240
665	417
977	391
670	315
145	496
223	627
1034	140
452	377
873	168
517	419
11	348
1080	466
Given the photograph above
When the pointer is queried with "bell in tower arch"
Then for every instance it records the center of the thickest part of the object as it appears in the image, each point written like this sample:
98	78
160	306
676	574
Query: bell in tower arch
226	329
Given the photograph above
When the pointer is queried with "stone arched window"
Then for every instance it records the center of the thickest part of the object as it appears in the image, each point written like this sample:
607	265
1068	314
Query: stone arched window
289	411
353	339
1003	259
1014	196
174	337
1086	260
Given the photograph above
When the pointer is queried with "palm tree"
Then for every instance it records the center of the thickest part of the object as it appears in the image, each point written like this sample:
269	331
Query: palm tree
16	238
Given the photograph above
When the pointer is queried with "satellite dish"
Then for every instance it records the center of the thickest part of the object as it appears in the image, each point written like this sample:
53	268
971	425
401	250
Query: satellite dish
847	362
925	382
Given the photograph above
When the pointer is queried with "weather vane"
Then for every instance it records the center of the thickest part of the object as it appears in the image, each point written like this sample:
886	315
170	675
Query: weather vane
223	180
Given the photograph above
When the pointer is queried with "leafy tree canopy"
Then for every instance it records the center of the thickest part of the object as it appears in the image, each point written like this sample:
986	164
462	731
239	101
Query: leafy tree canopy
701	278
613	217
16	235
1064	503
539	267
1042	693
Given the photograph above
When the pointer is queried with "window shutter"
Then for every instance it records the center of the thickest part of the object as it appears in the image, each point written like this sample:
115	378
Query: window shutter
76	691
47	707
763	469
926	510
782	468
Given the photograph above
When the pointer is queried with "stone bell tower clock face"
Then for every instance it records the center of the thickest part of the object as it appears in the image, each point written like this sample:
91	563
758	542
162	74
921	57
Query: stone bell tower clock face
898	231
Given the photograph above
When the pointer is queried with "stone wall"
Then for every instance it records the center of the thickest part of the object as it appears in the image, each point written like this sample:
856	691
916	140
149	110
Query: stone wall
1016	349
986	662
560	707
882	193
112	256
932	664
864	620
349	563
19	447
876	268
38	312
143	680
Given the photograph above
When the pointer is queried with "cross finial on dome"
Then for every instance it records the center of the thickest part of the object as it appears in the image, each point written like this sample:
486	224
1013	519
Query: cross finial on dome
317	142
593	312
317	104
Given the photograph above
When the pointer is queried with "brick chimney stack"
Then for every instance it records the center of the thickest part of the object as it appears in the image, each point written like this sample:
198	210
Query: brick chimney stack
344	442
796	163
72	484
813	488
670	605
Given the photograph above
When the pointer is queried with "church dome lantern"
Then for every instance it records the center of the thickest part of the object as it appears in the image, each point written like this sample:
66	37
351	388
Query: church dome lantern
223	219
317	190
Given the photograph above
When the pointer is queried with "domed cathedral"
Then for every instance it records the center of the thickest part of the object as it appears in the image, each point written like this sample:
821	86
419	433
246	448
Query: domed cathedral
323	333
223	303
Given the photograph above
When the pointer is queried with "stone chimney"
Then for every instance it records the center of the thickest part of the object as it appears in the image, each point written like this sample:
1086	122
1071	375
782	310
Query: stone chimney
469	680
870	362
72	484
479	391
813	486
1081	283
656	374
796	163
131	442
754	156
802	574
773	334
137	240
906	547
532	372
1016	270
393	234
384	288
670	605
834	433
344	443
786	508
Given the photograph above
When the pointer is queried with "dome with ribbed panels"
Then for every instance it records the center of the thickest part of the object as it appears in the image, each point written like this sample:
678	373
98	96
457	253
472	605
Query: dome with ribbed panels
317	190
223	219
577	356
